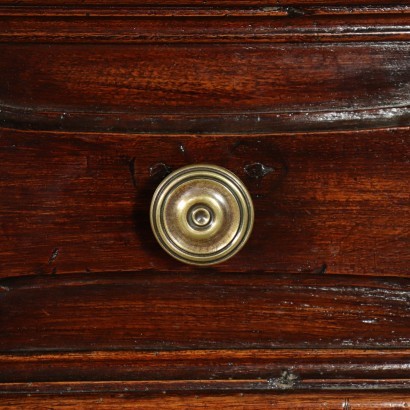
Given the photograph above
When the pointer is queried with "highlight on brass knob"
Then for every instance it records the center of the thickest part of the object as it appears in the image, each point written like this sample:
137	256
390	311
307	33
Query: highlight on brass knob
202	214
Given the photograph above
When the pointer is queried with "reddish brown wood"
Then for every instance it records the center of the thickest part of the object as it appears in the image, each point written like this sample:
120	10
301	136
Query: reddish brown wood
330	202
236	10
258	369
196	3
250	85
231	88
189	386
305	401
197	311
209	25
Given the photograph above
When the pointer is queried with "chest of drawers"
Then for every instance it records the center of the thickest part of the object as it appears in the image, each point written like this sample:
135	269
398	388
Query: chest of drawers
306	102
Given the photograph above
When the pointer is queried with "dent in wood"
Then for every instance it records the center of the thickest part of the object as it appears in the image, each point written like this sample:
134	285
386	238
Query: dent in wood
287	380
257	170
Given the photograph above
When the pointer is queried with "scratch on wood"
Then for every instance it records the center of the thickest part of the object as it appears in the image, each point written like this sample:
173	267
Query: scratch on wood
346	404
187	155
53	255
131	165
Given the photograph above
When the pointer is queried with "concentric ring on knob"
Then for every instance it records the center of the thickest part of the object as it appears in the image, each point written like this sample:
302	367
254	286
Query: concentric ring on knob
202	214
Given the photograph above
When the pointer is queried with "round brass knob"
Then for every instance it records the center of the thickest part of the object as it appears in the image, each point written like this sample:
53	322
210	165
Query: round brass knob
202	214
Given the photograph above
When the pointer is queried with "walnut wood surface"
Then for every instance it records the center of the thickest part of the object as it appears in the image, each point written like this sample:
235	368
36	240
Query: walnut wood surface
203	88
324	202
197	311
187	387
210	3
75	339
280	369
204	25
307	101
309	401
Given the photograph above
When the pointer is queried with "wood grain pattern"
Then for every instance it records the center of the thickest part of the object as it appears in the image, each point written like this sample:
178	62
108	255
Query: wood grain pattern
257	369
204	88
307	101
307	401
329	202
154	311
209	25
188	386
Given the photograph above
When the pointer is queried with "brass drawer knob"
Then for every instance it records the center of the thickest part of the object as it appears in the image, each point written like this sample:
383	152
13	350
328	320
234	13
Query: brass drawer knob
202	214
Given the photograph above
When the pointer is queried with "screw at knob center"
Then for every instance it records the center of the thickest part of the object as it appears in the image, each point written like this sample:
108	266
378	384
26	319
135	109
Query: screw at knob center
200	217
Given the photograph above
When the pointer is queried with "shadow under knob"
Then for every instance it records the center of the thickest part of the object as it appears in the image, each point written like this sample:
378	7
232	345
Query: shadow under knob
202	214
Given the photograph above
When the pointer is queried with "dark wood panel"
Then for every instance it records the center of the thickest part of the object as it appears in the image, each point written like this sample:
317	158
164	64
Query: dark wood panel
324	202
202	311
260	369
204	87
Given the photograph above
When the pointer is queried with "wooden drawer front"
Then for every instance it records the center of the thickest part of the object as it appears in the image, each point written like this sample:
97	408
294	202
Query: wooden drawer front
324	202
306	101
114	100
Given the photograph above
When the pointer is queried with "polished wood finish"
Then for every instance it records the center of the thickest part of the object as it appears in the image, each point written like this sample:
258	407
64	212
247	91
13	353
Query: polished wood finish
336	203
262	369
202	311
205	25
329	401
307	101
204	88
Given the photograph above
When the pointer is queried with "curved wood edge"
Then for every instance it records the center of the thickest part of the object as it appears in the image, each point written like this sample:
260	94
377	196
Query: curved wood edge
21	118
74	88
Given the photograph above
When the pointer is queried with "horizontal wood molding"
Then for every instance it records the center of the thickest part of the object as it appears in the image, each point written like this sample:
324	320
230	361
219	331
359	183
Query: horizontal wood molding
334	202
209	25
235	10
180	311
257	369
252	401
189	386
201	3
205	123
